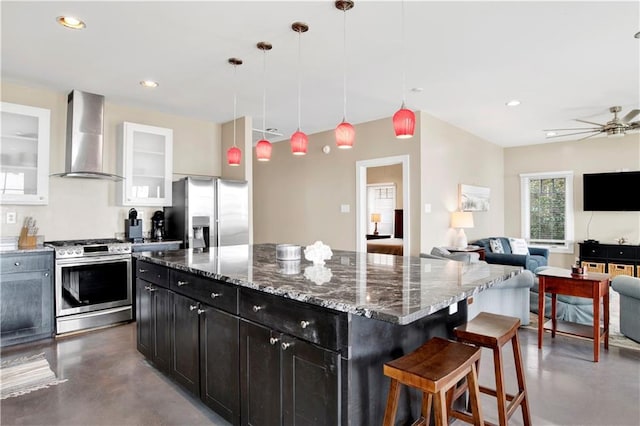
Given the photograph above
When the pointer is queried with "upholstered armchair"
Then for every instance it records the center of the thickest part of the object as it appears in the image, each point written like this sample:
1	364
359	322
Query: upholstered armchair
537	256
629	289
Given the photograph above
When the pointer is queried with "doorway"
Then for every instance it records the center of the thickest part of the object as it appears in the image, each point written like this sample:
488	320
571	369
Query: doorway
362	219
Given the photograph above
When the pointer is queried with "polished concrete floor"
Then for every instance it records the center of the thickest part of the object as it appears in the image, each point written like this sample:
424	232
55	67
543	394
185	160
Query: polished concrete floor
110	383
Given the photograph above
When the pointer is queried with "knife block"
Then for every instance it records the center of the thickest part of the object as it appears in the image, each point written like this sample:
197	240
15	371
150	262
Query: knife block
26	241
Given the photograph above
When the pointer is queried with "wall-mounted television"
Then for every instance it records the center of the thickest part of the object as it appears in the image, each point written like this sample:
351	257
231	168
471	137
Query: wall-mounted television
618	191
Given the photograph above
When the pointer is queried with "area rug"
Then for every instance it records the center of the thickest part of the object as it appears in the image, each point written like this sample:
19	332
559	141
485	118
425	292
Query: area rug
22	375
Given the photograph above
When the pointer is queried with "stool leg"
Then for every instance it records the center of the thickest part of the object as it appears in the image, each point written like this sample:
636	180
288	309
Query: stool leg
474	396
440	409
427	401
522	387
392	403
500	391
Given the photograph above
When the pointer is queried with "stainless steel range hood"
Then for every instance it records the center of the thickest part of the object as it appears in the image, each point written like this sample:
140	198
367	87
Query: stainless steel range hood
85	139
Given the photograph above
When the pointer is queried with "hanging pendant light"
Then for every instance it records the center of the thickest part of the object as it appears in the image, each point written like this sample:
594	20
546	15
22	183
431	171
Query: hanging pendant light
264	147
299	141
345	133
404	120
234	155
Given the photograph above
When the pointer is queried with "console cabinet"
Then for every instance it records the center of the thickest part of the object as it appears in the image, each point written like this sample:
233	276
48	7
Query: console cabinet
614	259
26	286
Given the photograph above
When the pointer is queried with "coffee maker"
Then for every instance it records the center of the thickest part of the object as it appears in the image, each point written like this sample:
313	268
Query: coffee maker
133	227
157	226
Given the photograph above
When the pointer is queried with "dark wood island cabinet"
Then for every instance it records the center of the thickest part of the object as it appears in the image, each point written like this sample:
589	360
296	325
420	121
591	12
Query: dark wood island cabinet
263	344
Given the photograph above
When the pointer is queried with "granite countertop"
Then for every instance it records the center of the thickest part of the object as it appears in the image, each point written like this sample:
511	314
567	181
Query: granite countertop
152	242
396	289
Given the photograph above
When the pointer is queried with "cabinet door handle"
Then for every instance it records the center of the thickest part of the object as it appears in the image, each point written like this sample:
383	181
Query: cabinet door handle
285	345
304	324
274	340
151	289
181	283
17	263
46	274
256	308
142	271
193	307
214	295
201	311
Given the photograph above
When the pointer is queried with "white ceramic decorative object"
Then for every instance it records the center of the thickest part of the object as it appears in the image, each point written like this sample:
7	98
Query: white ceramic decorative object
318	274
318	253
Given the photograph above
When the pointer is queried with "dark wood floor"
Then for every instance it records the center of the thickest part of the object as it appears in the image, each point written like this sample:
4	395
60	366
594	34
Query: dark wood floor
110	383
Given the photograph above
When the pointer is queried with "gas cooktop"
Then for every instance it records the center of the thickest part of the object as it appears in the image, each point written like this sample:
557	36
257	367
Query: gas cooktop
95	247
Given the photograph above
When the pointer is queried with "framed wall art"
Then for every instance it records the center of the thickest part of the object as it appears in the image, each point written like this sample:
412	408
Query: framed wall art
473	198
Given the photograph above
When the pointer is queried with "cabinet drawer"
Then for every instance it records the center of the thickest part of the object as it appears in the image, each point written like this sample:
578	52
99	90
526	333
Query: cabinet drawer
316	325
593	251
27	262
152	273
622	252
206	290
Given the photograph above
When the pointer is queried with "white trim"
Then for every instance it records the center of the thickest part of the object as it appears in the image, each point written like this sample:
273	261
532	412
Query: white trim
525	202
361	199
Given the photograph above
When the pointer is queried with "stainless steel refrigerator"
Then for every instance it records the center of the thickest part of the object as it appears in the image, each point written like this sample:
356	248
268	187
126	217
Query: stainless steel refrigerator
209	212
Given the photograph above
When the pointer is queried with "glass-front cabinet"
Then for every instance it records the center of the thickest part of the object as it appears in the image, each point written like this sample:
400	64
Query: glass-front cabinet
24	154
146	162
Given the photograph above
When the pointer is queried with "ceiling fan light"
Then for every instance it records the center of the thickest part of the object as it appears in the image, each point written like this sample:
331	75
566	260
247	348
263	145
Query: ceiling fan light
234	156
299	143
263	150
404	123
345	135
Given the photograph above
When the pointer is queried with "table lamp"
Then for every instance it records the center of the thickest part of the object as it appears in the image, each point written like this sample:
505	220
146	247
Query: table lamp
461	220
375	218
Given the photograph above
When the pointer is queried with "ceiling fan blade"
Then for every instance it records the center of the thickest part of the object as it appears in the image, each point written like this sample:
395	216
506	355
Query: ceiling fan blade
630	115
588	122
575	128
590	136
595	132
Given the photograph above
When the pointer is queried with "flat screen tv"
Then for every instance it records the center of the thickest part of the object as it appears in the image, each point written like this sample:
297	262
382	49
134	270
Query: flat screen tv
618	191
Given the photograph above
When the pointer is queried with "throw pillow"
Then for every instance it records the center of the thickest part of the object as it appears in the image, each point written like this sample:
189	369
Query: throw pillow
496	246
518	246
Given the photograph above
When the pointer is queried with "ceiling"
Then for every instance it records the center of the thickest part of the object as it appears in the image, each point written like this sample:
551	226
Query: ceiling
562	60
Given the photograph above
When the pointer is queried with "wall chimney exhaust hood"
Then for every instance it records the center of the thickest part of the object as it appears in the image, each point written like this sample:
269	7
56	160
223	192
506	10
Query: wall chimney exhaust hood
85	140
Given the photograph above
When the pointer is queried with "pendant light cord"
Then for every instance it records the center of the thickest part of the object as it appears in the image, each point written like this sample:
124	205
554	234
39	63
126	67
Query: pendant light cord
403	53
264	93
344	68
299	75
235	101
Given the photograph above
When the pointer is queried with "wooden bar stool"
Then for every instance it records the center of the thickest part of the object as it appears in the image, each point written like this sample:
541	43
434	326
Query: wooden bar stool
494	331
435	368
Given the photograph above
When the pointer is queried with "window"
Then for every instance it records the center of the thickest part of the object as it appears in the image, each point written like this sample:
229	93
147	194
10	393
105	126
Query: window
381	199
547	210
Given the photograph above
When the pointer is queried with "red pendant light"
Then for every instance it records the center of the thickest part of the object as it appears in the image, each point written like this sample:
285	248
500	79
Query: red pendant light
299	140
345	133
234	155
263	147
299	143
404	120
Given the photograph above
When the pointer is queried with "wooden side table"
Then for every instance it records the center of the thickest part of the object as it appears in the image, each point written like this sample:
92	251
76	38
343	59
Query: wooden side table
468	249
591	285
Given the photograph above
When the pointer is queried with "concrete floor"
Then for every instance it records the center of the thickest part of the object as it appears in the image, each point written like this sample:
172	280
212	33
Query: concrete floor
110	383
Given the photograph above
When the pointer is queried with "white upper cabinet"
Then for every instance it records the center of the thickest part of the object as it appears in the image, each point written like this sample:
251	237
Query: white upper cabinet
146	162
24	154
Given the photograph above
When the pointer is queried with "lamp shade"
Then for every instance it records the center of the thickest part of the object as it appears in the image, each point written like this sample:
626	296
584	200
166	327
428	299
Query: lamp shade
299	143
376	217
404	123
345	135
461	220
263	150
233	156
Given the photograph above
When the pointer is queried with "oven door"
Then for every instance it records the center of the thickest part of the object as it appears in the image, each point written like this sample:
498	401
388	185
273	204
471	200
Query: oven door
92	283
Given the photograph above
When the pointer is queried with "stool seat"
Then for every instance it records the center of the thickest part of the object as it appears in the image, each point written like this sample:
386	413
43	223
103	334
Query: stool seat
435	368
494	331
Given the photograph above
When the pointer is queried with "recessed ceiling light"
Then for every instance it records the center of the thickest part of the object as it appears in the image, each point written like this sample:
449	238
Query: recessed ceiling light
149	83
71	22
271	130
513	102
549	134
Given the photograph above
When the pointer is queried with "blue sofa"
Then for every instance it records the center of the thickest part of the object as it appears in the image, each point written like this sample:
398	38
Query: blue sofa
629	289
537	256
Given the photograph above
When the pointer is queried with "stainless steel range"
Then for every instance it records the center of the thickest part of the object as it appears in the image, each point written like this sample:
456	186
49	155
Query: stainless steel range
92	283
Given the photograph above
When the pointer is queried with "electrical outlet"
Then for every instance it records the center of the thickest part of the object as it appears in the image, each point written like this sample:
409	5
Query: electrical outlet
11	217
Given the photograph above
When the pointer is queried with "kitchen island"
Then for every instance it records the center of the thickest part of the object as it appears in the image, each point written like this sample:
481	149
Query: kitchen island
268	342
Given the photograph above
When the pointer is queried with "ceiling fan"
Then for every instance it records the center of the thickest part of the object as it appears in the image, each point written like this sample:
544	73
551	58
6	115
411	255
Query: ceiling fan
615	127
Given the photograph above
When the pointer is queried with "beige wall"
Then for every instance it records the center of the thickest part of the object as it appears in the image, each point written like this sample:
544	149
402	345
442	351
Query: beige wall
86	208
451	156
387	174
593	155
297	199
